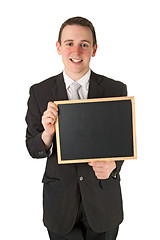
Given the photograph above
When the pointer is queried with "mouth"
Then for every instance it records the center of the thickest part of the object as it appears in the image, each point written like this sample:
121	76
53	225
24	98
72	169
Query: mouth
75	60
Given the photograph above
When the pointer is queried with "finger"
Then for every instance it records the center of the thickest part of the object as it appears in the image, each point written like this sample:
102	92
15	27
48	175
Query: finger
49	121
49	117
52	105
53	110
49	113
98	170
99	164
101	176
90	163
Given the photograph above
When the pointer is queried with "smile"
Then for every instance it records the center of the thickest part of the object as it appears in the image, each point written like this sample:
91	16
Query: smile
75	60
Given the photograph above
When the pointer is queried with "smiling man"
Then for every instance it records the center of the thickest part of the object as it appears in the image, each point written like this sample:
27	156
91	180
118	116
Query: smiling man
76	47
80	201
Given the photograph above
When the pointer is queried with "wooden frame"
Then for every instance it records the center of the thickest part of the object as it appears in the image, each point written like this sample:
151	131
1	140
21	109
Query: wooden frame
61	124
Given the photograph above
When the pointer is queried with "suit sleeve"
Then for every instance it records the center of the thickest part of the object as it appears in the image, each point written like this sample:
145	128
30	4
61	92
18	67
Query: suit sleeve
119	163
35	128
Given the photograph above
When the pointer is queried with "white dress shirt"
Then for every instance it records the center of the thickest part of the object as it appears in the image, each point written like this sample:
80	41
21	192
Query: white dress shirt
84	82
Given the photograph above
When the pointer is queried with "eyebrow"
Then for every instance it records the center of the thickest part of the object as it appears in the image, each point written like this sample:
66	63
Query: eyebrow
86	41
70	40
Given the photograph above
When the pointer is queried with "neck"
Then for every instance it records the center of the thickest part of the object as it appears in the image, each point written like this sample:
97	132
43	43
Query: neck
76	76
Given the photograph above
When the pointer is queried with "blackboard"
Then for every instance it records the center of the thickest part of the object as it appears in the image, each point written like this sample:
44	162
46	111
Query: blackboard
96	130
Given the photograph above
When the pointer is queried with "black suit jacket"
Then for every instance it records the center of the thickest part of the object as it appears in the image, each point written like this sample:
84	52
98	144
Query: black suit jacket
62	185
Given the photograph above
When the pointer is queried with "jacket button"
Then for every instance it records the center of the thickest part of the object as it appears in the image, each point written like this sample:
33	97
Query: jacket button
41	153
81	178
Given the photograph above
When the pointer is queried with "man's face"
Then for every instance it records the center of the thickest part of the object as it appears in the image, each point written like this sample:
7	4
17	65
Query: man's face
76	49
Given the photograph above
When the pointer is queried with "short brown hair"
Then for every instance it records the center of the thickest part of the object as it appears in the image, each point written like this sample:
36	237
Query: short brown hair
81	22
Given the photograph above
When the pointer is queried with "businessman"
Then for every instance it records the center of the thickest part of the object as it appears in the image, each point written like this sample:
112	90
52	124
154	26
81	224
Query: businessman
80	201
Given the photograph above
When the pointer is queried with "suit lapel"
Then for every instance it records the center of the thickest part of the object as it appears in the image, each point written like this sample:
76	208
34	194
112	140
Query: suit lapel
59	90
95	90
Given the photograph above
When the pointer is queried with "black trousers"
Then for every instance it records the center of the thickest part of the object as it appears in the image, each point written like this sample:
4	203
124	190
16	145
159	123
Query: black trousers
82	230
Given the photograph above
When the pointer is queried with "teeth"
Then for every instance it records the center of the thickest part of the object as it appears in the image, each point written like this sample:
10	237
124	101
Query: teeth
75	60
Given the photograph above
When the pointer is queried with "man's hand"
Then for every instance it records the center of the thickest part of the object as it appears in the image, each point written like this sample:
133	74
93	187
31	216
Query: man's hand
103	169
48	121
49	118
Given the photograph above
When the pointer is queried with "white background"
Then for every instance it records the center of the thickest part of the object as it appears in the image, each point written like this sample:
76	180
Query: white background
129	51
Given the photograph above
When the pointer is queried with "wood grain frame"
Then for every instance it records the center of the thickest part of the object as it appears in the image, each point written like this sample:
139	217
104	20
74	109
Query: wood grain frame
58	140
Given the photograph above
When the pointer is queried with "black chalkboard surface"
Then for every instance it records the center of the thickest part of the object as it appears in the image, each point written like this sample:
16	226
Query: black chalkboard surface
96	130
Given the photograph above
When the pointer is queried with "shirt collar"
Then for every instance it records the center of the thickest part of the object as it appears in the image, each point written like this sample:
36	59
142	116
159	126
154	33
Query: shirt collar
82	81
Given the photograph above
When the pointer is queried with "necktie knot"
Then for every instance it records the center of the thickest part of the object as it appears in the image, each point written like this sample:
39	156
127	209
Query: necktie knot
75	86
74	89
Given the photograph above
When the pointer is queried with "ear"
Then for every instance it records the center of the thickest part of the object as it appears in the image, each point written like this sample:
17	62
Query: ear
58	46
94	50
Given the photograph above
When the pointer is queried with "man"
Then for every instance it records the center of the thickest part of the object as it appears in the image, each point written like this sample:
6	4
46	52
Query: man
80	201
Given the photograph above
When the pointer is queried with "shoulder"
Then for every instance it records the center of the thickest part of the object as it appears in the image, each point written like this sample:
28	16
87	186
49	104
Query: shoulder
107	80
112	87
43	92
46	84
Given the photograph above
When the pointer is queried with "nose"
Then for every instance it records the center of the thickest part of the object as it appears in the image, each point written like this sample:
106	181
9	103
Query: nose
77	50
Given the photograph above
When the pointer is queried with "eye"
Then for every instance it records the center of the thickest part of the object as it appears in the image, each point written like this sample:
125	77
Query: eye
84	45
70	44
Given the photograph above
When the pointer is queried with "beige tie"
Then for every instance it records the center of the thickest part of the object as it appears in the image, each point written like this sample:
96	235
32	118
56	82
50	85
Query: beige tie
74	89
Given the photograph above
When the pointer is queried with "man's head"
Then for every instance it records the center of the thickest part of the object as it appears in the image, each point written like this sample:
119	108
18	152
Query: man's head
77	44
81	22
